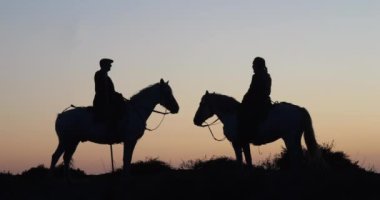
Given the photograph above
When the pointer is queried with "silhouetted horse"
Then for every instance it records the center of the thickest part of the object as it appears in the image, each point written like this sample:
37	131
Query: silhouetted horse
284	120
78	125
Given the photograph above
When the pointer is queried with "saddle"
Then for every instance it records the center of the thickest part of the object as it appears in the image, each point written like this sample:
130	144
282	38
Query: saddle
250	119
111	118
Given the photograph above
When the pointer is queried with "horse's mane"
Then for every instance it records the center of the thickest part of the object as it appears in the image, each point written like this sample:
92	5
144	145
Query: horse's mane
143	93
226	103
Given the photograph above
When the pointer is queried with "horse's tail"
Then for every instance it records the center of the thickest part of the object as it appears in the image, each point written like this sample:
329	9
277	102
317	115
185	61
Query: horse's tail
58	125
310	140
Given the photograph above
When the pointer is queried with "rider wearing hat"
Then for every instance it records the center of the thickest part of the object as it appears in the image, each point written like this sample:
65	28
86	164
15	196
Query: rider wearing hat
107	102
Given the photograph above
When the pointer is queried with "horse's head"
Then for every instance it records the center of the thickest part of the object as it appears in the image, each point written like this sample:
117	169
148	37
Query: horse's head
167	99
204	110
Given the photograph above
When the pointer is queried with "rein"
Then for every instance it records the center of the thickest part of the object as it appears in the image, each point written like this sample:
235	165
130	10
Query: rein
209	128
162	119
162	113
154	111
212	123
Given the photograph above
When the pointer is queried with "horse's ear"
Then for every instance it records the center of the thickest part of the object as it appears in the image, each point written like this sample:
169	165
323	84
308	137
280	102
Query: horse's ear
162	81
167	82
207	92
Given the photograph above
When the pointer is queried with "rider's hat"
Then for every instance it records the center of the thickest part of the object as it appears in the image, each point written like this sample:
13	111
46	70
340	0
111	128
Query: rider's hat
105	61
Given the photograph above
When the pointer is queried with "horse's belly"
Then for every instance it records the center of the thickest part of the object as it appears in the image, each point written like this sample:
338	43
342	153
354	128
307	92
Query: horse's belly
133	133
264	137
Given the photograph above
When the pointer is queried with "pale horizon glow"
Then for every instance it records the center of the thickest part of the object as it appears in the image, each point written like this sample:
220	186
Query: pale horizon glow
321	55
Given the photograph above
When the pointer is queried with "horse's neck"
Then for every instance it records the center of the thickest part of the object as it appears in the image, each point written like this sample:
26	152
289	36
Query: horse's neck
225	118
219	104
145	106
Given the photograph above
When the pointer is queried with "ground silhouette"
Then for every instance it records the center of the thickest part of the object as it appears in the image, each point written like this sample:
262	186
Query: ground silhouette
215	178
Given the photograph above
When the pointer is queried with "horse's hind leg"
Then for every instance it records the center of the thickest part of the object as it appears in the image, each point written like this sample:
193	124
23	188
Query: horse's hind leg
247	154
56	155
69	151
294	148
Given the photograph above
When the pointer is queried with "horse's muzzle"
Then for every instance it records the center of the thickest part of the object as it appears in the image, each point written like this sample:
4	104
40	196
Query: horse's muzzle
197	122
175	110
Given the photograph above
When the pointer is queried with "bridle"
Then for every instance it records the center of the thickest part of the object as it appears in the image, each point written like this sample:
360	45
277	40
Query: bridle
154	111
216	121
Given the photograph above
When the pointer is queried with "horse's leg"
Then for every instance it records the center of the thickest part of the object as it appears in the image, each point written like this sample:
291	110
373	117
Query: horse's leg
55	157
294	147
129	146
247	154
69	151
238	152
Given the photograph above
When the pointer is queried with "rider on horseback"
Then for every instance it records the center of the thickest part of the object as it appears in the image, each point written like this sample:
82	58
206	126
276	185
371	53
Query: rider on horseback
256	102
108	104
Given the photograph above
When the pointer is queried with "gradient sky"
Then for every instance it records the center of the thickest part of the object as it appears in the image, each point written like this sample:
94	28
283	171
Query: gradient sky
323	55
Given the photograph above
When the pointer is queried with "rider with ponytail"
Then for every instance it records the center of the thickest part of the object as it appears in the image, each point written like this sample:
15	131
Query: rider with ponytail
256	102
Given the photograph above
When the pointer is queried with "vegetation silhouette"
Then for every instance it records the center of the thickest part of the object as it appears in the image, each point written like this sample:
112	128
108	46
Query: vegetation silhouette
215	178
41	171
284	121
78	124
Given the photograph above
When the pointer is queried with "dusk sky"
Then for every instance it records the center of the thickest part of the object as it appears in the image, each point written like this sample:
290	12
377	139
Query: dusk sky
322	55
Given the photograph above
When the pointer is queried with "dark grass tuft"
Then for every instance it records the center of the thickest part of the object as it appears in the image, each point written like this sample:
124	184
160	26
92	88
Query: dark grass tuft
42	171
59	171
150	166
213	164
338	160
36	172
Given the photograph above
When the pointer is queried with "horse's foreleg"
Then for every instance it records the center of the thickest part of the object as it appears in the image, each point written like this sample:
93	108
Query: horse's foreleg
247	154
238	152
129	146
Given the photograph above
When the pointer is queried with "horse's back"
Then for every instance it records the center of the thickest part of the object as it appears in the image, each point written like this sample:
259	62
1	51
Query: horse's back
285	110
284	116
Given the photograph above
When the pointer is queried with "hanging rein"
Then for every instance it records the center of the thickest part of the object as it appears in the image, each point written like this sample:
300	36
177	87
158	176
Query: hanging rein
162	119
155	111
209	128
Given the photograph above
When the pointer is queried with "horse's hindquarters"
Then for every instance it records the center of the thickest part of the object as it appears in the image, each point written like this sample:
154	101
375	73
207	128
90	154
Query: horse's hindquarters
284	120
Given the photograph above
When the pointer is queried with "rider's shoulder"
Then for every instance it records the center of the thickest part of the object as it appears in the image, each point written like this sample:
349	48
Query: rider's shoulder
100	73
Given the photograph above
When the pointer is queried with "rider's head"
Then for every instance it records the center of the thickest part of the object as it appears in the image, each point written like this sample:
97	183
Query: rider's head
258	65
105	63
